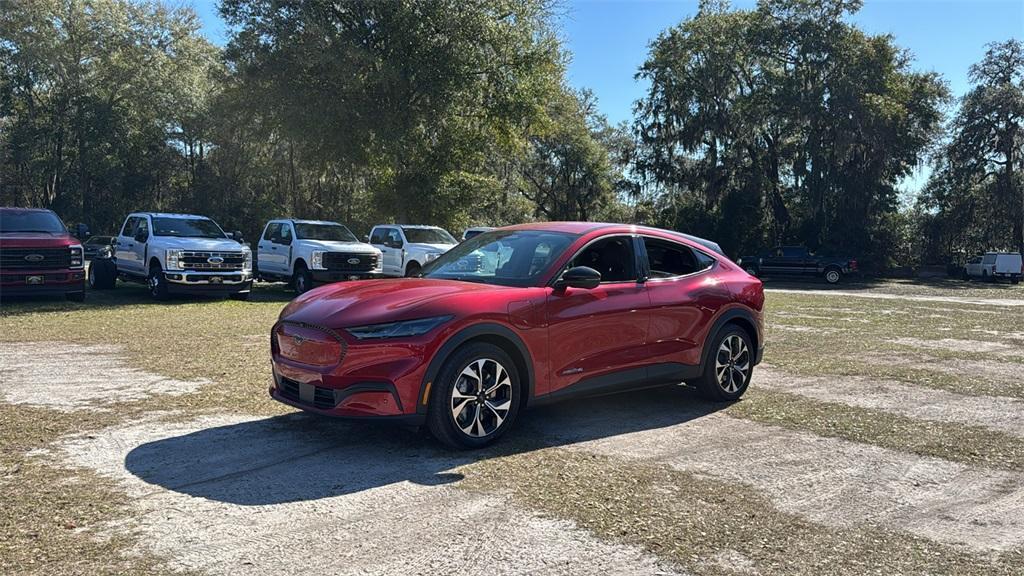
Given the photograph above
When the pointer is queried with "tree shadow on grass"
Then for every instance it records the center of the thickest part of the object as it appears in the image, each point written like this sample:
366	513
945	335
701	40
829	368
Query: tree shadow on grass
302	457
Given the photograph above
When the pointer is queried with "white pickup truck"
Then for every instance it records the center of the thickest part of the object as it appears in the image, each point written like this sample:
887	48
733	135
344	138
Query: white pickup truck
307	252
995	265
406	248
175	253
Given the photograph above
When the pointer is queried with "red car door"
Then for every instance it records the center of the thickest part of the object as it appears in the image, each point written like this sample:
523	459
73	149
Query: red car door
601	331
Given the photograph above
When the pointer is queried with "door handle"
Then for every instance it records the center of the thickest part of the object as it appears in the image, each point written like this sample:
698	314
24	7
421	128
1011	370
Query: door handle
273	247
131	245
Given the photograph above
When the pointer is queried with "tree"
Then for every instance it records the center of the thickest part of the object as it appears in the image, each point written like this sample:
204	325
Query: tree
783	124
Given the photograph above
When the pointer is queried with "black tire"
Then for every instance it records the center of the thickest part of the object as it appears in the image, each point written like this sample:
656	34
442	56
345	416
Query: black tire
1015	280
476	415
751	270
302	280
833	275
102	275
985	277
413	269
157	283
76	296
711	383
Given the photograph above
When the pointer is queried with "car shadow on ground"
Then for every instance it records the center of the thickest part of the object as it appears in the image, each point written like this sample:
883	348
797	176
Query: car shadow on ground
302	457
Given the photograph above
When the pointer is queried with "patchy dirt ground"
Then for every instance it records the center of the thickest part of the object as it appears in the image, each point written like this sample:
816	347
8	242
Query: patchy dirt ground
838	461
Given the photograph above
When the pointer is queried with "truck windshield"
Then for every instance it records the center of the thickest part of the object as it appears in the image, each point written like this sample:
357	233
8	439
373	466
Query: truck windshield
428	236
502	257
18	221
328	232
186	227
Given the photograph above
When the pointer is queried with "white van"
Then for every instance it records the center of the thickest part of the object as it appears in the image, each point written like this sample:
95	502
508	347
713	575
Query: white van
995	265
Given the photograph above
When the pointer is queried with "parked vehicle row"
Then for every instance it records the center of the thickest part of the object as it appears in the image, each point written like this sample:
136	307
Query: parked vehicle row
798	261
993	266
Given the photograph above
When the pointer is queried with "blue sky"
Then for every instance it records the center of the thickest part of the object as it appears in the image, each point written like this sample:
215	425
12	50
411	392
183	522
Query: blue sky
608	39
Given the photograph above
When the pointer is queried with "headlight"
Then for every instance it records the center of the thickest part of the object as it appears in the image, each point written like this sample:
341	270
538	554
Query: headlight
431	256
172	259
248	260
316	260
398	329
76	256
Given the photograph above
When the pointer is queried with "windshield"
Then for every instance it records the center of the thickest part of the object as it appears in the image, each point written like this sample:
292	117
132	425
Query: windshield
187	227
329	232
41	221
428	236
502	257
99	240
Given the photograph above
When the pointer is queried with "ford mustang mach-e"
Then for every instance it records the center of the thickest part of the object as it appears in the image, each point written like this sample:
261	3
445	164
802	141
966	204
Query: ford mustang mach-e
519	316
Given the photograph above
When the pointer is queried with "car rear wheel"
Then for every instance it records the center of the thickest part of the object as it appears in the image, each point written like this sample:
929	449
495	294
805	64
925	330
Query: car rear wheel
475	397
729	366
833	275
102	275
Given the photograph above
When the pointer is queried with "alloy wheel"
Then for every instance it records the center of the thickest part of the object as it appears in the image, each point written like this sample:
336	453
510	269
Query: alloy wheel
832	276
481	398
154	284
92	276
732	364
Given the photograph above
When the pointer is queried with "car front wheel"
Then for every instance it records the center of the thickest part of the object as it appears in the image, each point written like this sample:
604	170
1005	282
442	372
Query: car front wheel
833	276
157	283
475	398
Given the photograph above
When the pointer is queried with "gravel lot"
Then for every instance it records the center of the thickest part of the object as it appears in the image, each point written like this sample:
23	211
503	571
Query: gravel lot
882	436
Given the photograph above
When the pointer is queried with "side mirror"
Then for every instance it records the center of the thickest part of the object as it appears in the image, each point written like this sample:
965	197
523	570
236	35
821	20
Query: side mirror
366	238
237	236
579	277
81	231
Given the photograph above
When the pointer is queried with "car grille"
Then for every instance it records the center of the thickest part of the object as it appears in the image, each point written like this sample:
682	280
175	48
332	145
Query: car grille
339	261
323	398
201	260
51	258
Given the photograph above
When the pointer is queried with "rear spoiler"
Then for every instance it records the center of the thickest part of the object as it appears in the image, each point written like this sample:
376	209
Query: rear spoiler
713	246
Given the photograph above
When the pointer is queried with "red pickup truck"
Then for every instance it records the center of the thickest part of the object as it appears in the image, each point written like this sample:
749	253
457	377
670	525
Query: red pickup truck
38	255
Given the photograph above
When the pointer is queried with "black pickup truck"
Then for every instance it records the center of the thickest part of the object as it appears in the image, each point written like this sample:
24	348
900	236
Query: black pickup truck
798	261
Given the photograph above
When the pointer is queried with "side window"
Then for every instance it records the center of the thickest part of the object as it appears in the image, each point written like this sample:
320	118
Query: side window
793	252
378	236
394	238
612	257
667	259
143	229
271	231
284	235
129	226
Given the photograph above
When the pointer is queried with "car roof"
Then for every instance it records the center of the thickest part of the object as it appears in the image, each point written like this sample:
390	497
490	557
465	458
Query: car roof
607	228
299	221
423	226
20	209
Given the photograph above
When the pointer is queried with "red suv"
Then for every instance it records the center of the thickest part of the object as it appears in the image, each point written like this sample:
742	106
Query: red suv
520	316
38	255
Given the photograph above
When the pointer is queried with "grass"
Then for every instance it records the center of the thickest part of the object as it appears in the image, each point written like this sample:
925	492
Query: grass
51	516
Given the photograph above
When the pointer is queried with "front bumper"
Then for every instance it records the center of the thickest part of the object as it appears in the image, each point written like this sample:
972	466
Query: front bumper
227	282
327	276
378	379
42	282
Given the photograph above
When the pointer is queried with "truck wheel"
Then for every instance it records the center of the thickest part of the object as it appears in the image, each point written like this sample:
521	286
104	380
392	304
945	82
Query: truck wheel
302	280
833	275
412	269
76	296
102	275
157	283
984	276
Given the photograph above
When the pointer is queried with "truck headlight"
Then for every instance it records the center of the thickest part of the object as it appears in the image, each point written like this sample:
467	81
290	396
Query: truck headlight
431	256
247	267
172	259
316	260
76	256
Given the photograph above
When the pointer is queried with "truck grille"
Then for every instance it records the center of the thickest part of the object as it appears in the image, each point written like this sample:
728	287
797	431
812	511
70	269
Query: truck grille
212	260
339	261
37	258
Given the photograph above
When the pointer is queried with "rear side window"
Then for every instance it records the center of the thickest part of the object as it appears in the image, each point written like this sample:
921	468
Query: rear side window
272	230
129	226
668	259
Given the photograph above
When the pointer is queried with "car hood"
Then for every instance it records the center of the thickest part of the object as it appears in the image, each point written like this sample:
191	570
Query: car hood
203	244
36	240
429	247
359	303
334	246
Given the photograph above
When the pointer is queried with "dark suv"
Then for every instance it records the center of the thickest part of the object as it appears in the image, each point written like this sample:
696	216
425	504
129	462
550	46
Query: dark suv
38	255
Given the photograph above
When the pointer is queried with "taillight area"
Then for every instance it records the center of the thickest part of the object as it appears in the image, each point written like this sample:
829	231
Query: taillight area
306	345
853	265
